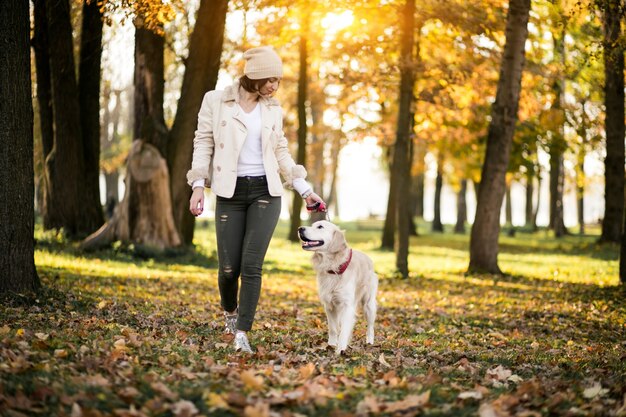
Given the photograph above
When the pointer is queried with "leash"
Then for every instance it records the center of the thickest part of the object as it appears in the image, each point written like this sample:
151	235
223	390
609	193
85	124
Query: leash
318	207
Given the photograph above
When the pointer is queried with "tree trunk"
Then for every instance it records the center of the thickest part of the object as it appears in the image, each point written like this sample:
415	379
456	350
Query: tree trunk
556	190
44	99
461	208
580	189
17	261
437	226
89	99
201	69
147	179
65	165
302	128
537	205
418	180
614	124
486	227
622	258
401	154
530	191
389	226
508	210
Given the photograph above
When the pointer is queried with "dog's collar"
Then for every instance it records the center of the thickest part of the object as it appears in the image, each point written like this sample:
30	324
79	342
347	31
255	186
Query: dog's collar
343	266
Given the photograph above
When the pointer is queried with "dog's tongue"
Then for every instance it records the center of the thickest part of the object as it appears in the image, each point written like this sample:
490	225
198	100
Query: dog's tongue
310	243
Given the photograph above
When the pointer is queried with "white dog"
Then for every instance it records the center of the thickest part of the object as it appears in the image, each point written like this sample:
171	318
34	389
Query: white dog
346	280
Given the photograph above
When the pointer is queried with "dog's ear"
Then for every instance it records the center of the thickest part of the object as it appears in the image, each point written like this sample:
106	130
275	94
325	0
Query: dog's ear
338	242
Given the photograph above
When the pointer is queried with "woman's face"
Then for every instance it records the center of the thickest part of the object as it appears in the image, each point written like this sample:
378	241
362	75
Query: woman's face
270	87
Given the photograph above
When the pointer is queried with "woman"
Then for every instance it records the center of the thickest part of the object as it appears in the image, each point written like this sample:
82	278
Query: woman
239	151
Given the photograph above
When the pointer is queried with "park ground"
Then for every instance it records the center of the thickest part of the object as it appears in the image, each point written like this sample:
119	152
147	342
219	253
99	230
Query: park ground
126	333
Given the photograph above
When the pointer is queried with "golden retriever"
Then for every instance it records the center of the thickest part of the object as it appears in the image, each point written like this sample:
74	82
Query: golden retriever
346	281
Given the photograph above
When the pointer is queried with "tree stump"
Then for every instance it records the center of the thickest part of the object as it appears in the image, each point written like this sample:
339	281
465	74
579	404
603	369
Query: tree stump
144	216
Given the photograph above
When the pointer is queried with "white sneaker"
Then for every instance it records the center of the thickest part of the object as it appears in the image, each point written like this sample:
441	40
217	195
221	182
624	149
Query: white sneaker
230	325
241	343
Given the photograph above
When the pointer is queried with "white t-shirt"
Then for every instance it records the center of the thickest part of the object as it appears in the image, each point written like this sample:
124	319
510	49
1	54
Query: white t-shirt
250	161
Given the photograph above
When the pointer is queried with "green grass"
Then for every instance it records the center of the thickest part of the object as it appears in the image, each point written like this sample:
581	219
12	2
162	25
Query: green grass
118	332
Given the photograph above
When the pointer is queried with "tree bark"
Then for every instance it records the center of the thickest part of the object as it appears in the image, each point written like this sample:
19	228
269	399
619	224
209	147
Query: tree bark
614	123
437	226
461	208
16	153
580	189
65	165
530	191
486	228
302	127
89	99
556	190
401	153
508	211
389	227
201	70
44	98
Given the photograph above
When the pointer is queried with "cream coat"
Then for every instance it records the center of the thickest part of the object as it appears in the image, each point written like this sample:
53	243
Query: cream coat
220	137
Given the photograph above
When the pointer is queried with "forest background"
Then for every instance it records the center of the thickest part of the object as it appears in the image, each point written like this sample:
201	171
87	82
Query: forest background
493	99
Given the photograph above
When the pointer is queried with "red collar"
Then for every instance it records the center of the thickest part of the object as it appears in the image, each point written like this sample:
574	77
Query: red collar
343	266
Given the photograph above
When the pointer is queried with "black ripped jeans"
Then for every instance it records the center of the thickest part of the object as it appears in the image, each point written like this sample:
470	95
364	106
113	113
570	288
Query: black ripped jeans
244	226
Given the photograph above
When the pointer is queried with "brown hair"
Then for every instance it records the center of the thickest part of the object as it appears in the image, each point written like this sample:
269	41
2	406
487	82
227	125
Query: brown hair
252	86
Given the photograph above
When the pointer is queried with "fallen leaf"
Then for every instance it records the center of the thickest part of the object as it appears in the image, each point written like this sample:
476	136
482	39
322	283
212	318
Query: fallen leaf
215	400
251	381
369	404
306	371
60	353
184	408
76	410
594	391
257	410
487	410
476	395
383	361
411	401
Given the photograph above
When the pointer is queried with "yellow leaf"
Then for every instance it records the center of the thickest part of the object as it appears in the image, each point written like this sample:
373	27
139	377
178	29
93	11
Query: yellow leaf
19	332
257	410
251	381
214	400
359	371
102	304
307	370
60	353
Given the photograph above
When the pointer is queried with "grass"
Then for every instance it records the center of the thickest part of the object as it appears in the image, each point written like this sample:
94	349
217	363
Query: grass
119	332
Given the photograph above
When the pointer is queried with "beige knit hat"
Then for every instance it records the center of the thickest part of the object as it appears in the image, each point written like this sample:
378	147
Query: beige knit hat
262	62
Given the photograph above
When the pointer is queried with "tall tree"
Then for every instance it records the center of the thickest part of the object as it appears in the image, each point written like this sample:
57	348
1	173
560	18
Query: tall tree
201	69
437	226
461	208
401	161
302	126
65	164
72	197
16	151
486	227
44	97
89	101
613	10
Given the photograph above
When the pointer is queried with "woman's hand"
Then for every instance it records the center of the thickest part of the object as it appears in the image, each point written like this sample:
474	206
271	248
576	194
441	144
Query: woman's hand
314	198
196	202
